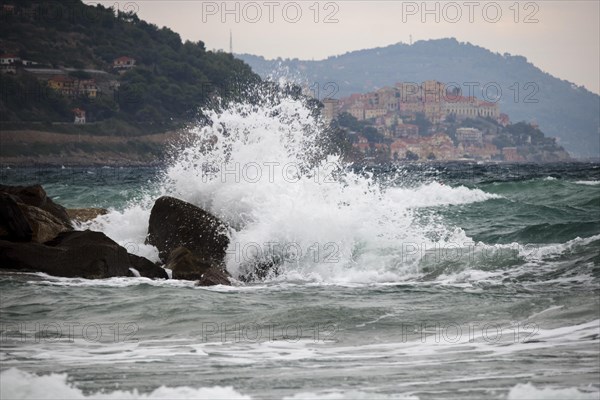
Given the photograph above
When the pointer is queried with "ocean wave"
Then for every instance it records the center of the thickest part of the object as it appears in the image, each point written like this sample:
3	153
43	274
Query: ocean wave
263	171
539	252
349	394
436	194
45	279
17	384
530	392
588	183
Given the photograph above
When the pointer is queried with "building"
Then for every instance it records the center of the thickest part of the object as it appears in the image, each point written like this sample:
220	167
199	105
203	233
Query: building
469	107
362	144
79	116
374	112
411	108
9	59
469	135
357	111
511	154
8	63
433	92
407	130
123	64
409	92
63	84
87	88
8	9
433	112
72	87
330	110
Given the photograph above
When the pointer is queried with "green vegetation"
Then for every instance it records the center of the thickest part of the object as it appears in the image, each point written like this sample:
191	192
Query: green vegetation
365	128
170	81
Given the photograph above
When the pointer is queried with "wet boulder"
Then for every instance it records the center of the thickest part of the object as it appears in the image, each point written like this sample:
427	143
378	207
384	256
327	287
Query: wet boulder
13	224
75	254
36	235
44	225
36	196
85	214
214	276
23	222
175	223
147	268
187	266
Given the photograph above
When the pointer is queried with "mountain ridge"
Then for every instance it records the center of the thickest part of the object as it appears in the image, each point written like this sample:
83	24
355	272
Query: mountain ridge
562	109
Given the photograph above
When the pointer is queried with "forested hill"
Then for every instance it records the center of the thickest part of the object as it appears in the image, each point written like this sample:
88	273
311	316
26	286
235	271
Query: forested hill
561	108
162	88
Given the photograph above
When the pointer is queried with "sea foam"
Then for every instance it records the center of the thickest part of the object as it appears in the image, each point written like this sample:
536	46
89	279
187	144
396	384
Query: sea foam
17	384
264	170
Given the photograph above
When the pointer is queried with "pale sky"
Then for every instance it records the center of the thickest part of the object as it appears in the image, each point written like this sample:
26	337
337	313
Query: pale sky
561	37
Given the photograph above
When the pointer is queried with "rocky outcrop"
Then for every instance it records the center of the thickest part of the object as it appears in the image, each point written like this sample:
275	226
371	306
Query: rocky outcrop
44	225
175	223
85	214
213	277
147	268
23	222
185	265
13	224
36	196
36	235
75	254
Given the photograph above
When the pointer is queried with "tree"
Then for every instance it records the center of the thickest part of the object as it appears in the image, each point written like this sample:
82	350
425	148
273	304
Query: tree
423	123
79	74
410	156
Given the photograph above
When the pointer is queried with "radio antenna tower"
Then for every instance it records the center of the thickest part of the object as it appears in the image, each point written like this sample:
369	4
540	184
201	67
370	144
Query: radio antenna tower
230	42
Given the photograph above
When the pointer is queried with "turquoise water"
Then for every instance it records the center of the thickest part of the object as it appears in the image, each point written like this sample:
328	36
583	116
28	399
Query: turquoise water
513	313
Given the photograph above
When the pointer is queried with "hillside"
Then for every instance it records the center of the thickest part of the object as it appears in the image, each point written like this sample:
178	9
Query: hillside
66	58
563	110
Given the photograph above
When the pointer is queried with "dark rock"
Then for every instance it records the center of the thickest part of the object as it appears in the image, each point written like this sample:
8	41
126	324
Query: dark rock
83	254
23	222
85	214
174	223
147	268
44	225
214	276
185	265
36	196
13	224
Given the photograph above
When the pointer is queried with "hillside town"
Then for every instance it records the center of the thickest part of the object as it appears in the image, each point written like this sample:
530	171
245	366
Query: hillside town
429	121
408	121
68	82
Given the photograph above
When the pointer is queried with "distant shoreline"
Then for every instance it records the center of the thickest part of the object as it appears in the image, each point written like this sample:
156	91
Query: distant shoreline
69	150
23	148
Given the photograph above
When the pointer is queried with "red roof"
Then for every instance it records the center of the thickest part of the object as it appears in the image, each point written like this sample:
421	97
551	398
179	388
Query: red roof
9	56
124	59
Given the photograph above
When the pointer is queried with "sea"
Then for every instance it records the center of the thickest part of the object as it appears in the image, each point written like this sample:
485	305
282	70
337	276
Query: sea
459	280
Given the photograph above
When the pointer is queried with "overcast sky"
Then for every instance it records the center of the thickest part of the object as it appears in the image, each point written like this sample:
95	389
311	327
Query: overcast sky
560	37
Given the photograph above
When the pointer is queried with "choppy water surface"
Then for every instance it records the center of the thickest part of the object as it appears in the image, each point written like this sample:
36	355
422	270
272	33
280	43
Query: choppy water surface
420	281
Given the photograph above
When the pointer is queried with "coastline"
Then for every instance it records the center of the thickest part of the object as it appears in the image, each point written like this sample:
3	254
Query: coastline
24	148
42	148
